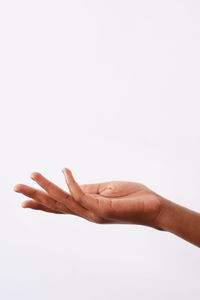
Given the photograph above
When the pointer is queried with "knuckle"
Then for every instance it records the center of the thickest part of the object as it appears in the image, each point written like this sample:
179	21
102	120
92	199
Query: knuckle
67	197
35	194
58	206
48	185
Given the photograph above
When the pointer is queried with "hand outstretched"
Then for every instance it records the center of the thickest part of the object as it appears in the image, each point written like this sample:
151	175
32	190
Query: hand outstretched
107	202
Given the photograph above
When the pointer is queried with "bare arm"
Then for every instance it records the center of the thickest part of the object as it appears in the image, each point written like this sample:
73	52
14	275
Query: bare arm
180	221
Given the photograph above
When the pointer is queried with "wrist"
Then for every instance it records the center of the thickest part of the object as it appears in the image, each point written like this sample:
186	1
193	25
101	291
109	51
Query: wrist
167	214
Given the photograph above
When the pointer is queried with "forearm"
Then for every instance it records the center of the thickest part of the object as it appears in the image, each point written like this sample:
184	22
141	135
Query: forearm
180	220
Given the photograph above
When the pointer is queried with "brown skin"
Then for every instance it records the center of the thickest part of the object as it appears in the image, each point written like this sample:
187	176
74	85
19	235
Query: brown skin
113	202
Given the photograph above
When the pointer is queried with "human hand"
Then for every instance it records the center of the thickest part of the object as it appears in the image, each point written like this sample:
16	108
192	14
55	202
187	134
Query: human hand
107	202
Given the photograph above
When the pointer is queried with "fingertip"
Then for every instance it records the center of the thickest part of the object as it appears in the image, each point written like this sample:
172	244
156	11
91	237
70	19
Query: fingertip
16	188
35	175
23	205
65	175
66	171
63	170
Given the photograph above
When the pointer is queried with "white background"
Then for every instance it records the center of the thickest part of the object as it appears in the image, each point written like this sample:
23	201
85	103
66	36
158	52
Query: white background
111	90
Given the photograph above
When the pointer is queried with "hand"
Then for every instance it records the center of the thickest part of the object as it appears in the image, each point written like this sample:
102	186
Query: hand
107	202
113	202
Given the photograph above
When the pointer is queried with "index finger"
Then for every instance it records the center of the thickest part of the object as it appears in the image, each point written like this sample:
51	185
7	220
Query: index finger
52	189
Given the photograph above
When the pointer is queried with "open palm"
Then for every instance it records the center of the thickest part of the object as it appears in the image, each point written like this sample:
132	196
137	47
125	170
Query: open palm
107	202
